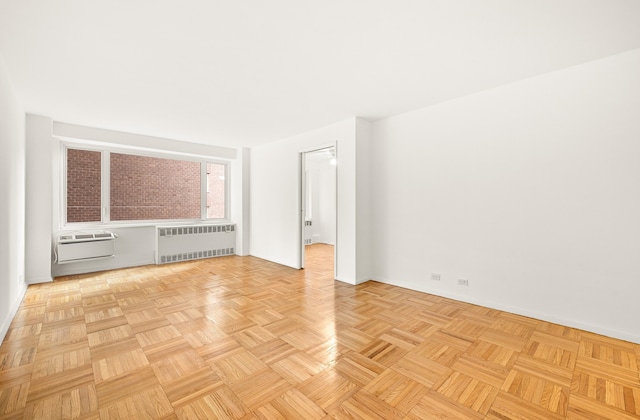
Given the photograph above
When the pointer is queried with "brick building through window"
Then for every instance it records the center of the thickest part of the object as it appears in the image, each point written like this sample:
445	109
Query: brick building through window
142	188
83	186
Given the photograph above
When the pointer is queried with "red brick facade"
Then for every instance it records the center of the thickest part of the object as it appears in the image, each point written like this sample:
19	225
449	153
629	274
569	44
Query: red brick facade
141	188
83	186
147	188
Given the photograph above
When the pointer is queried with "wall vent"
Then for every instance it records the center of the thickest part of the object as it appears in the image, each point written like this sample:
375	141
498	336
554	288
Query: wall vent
307	231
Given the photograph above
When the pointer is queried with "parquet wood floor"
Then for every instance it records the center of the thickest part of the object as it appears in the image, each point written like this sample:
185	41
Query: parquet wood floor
241	338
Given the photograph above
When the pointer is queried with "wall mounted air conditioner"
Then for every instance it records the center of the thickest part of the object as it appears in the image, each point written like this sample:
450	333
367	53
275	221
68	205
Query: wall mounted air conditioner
74	247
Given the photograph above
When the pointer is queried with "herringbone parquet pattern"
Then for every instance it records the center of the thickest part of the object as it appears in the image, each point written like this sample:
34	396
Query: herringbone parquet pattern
238	337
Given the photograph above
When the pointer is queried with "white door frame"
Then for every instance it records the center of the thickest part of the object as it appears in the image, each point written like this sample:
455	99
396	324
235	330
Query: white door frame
302	182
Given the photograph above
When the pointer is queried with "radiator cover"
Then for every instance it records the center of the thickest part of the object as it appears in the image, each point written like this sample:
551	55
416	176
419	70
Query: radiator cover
184	243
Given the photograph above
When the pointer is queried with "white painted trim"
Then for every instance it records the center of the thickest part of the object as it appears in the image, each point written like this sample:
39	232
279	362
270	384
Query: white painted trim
131	140
204	191
344	280
105	151
68	269
302	205
139	151
6	323
302	187
317	147
362	280
40	280
530	314
335	245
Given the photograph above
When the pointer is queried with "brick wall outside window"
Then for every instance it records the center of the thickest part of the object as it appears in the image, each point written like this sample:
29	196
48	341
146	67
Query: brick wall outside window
148	188
83	186
141	188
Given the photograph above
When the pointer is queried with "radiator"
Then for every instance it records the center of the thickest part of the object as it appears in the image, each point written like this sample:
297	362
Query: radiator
184	243
73	247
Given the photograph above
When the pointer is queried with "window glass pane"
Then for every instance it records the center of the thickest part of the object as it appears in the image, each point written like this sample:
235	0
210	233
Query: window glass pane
83	186
215	190
148	188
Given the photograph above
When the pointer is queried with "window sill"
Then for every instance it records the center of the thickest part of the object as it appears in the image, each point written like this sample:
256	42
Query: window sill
156	223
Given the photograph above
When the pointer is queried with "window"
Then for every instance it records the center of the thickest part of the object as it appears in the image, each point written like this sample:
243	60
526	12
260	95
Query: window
83	186
149	188
215	190
108	186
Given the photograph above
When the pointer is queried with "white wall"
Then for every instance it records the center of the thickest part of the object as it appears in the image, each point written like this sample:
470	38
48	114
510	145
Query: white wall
530	191
135	246
12	201
275	197
39	190
363	196
275	191
240	199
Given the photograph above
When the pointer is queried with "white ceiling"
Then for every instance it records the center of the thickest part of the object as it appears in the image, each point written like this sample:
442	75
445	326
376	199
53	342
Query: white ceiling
244	72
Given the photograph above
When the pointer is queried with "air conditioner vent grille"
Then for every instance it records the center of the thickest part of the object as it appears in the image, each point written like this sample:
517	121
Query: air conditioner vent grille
85	237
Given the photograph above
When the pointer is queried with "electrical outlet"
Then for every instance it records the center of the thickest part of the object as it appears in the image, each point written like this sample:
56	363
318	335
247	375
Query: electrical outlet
435	276
463	282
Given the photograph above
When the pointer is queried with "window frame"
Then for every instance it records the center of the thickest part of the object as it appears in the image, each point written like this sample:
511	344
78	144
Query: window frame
105	185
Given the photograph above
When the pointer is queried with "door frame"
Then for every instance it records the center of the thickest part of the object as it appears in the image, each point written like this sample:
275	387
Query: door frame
302	183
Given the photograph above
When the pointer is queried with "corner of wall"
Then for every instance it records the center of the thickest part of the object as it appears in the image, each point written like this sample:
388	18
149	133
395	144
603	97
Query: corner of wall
39	198
12	204
499	188
363	200
347	281
15	305
240	202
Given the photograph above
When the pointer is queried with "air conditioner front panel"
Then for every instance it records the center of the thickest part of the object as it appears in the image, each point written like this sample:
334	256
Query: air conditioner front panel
75	251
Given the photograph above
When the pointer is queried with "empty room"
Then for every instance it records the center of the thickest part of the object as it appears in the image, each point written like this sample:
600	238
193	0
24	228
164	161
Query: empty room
320	210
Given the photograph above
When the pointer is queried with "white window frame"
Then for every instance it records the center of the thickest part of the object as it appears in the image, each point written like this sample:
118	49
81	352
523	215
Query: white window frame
204	188
105	185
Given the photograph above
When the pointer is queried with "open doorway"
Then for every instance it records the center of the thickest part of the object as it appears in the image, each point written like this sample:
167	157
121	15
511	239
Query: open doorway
318	206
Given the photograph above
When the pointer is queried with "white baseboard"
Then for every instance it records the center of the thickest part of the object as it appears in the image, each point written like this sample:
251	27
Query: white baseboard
81	267
6	323
621	335
363	280
40	280
344	280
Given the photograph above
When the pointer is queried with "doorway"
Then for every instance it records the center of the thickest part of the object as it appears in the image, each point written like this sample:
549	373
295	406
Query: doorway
318	208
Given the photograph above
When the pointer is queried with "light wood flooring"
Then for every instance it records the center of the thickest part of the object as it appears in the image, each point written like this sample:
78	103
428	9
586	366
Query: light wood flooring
238	337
